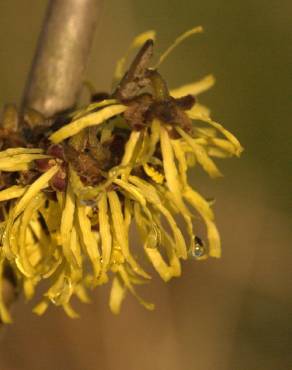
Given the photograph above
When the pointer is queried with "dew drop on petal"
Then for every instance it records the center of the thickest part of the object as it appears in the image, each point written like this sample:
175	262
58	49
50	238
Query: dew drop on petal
198	250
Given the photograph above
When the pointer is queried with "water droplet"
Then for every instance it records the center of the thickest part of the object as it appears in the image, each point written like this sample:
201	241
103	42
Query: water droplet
198	250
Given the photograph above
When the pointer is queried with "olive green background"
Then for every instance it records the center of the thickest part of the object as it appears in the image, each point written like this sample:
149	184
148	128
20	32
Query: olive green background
228	314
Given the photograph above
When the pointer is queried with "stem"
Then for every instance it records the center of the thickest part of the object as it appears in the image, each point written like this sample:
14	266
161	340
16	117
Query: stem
58	68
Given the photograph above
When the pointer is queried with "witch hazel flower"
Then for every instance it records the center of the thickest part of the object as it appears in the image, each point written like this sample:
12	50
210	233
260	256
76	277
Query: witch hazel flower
73	186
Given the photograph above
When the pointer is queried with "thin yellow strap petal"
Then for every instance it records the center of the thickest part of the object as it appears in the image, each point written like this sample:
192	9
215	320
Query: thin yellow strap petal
153	174
92	119
177	41
105	231
179	239
154	138
158	263
120	232
202	157
206	213
225	145
41	307
194	88
60	292
130	147
142	38
16	151
132	191
12	192
67	226
19	162
220	128
126	279
152	197
70	311
4	313
81	293
170	170
145	188
34	189
181	159
214	239
198	202
76	248
117	295
89	240
174	261
28	288
136	43
93	106
28	215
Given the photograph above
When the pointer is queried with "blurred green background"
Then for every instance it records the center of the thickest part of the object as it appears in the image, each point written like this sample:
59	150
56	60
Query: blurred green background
230	314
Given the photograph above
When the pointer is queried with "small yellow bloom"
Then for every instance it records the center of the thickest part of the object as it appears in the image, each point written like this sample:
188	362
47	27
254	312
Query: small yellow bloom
67	203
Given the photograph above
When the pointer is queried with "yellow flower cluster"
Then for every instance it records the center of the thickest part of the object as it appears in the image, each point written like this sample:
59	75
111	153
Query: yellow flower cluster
77	238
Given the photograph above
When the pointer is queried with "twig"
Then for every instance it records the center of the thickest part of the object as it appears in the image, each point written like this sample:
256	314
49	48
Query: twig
60	60
58	68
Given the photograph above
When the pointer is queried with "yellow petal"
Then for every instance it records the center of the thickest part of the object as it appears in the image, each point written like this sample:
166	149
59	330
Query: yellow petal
92	119
67	226
225	145
146	189
221	129
132	191
142	38
117	295
198	202
136	43
170	170
179	239
75	247
61	290
170	246
93	106
105	231
12	192
201	155
19	162
182	163
125	277
23	259
151	244
34	189
194	88
151	196
120	232
214	239
41	307
88	239
218	153
199	109
177	41
158	263
204	210
28	288
130	147
11	152
153	174
70	311
4	313
154	138
81	293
